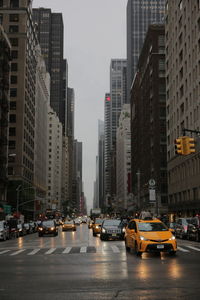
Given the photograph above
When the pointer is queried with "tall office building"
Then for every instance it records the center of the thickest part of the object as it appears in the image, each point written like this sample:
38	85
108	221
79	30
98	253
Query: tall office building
5	58
17	22
77	176
123	159
107	147
183	106
118	98
139	15
100	167
50	34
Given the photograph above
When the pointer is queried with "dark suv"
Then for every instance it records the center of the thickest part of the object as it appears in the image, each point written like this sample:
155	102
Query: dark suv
47	227
193	231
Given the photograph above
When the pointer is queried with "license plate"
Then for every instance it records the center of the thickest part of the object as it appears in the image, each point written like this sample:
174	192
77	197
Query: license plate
114	234
160	246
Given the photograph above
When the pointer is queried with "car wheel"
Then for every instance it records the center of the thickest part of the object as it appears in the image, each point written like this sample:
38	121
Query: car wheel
137	252
172	253
102	238
128	249
94	234
40	235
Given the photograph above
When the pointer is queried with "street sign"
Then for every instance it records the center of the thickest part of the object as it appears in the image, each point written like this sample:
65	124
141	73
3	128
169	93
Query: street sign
152	182
152	195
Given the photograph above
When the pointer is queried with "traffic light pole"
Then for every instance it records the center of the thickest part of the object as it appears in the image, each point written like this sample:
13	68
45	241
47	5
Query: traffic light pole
190	130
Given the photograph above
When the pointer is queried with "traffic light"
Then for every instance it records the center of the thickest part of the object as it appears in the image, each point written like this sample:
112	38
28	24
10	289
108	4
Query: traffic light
191	145
184	145
179	146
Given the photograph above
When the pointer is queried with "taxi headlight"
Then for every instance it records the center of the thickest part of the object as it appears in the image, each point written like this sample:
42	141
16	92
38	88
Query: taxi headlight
123	230
40	228
143	238
97	227
172	238
52	228
103	230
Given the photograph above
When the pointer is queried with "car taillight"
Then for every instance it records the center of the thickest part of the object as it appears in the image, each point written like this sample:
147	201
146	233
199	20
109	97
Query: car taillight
185	227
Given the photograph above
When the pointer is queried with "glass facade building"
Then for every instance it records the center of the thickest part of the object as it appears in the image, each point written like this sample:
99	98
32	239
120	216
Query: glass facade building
140	14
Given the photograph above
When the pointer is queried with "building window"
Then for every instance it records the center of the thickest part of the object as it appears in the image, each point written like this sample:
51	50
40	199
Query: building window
14	54
13	28
12	144
1	3
14	18
12	118
14	67
12	131
13	79
14	42
1	18
13	92
14	3
10	171
13	105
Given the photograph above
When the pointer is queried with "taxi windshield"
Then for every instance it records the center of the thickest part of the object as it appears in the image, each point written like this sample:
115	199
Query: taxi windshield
98	221
152	226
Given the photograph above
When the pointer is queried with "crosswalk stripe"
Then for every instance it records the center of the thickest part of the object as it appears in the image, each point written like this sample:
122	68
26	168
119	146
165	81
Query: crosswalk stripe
51	250
182	249
115	249
34	252
67	250
83	250
4	251
17	252
193	248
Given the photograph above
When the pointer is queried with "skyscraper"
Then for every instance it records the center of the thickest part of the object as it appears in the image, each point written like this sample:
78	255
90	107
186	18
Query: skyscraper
139	15
50	35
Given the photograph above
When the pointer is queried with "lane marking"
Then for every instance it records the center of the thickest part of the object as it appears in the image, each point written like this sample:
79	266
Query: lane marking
115	249
51	250
34	252
5	251
182	249
83	250
17	252
67	250
193	248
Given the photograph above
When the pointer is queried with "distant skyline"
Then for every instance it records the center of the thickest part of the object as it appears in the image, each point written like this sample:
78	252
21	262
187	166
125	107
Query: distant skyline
94	33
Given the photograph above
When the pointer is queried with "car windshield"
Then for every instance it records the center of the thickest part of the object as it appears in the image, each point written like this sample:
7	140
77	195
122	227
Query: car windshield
111	223
48	223
69	222
152	226
98	221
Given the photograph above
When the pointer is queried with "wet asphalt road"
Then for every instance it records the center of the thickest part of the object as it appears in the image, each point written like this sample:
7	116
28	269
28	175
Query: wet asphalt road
78	266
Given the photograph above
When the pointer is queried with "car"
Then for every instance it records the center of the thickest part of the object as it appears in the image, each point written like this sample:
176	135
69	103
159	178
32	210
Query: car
182	227
149	236
47	227
77	221
193	230
69	225
112	229
96	226
4	230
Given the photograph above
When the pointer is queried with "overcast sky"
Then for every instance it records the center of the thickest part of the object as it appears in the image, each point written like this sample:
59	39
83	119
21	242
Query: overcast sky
94	33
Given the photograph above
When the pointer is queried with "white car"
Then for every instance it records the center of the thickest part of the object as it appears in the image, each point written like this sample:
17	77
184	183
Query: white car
4	231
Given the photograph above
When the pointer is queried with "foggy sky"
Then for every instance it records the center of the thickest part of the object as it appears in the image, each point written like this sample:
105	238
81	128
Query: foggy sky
94	33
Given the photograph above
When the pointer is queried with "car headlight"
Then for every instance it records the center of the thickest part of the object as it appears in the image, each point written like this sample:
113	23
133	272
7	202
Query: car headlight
143	238
52	228
97	227
40	228
172	238
123	230
103	230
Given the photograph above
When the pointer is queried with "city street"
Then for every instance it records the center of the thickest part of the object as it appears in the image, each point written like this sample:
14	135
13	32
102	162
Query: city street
76	265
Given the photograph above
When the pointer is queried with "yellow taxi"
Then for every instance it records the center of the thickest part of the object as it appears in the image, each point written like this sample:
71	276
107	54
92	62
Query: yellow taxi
69	225
96	226
149	236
